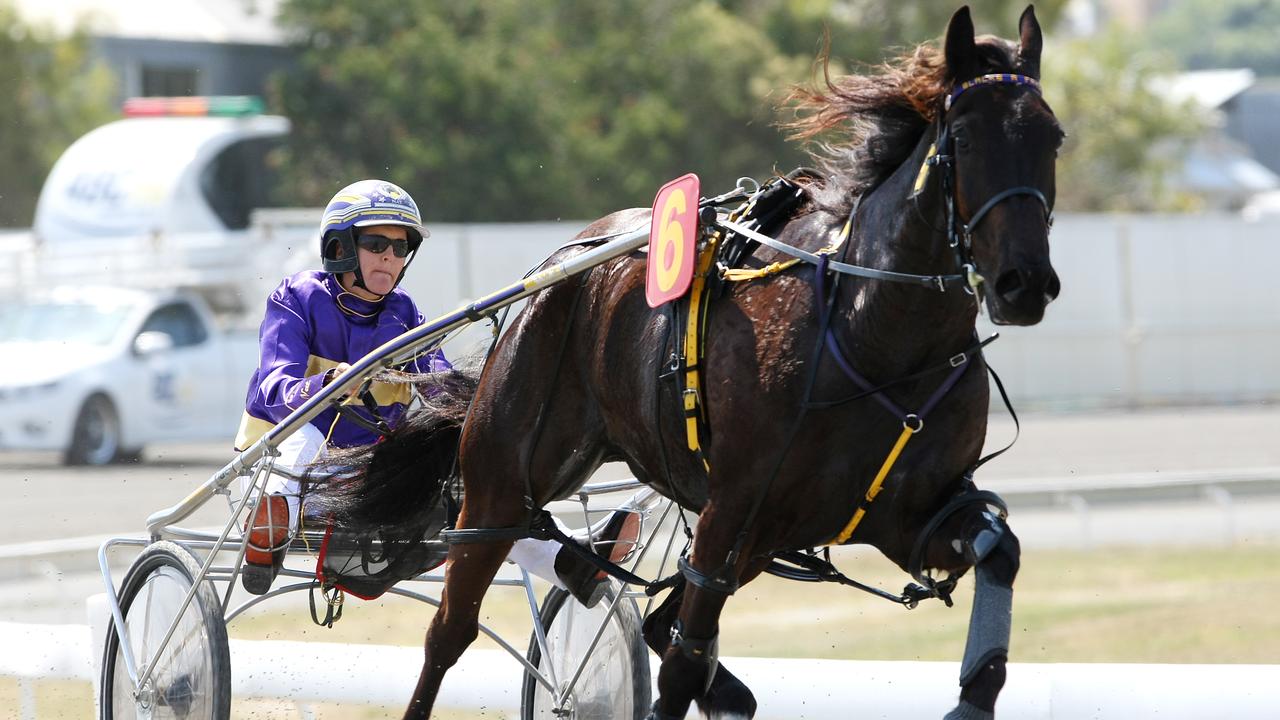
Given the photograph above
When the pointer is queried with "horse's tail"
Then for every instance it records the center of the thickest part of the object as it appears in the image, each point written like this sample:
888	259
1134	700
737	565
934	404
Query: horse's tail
395	484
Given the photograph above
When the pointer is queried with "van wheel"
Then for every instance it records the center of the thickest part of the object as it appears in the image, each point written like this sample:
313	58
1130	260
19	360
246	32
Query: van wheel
96	438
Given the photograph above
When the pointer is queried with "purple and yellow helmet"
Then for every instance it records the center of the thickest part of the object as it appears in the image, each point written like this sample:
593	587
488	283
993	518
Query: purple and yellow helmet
360	204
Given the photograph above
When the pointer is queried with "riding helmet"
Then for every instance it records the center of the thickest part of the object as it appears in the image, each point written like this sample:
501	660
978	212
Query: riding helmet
360	204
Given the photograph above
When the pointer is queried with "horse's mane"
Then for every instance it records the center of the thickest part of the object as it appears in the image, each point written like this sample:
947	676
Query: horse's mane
861	127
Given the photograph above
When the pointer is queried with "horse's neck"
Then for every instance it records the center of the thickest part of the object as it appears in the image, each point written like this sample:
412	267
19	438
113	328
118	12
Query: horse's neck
897	325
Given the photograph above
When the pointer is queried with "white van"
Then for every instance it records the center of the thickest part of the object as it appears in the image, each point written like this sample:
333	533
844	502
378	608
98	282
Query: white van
108	339
161	198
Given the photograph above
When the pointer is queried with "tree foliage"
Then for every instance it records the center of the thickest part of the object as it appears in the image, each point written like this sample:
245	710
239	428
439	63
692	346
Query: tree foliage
1124	140
871	31
506	110
1206	34
52	94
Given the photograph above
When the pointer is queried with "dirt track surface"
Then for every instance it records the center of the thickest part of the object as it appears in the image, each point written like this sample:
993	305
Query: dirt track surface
44	500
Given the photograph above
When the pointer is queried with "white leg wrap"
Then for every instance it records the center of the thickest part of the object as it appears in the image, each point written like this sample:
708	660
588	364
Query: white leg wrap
989	624
296	452
538	557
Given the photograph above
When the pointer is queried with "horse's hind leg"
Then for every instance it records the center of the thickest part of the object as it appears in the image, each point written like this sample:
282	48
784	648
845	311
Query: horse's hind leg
470	570
727	696
986	652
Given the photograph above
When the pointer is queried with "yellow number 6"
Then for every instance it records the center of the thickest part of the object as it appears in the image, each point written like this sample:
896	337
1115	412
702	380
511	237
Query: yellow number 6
669	240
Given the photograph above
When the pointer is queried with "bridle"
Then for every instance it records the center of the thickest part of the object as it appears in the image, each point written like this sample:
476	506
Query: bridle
942	154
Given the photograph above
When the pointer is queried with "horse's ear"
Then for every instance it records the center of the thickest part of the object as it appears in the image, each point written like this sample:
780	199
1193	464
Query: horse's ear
961	52
1031	42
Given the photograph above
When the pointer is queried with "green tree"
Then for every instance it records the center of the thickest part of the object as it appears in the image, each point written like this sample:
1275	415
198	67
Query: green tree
1124	139
871	31
507	110
52	94
1221	34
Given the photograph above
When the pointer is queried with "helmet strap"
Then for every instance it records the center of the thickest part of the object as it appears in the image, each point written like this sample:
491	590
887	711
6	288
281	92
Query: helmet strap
405	269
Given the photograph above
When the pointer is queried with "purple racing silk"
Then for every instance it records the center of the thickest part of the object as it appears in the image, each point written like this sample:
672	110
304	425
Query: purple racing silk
312	325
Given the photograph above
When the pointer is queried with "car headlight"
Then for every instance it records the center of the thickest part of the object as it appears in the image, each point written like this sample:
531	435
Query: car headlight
20	392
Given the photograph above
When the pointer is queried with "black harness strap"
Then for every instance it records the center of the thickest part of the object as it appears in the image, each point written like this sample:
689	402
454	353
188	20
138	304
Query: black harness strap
333	598
807	567
933	282
969	495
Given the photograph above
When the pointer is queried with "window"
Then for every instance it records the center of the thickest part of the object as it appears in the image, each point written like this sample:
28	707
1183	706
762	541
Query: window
240	179
169	81
180	322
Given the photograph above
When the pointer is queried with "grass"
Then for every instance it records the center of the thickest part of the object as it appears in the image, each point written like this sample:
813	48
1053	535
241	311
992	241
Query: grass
1141	605
1121	605
1148	605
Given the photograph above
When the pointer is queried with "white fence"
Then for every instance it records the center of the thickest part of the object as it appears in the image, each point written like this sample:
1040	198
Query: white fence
1155	309
786	689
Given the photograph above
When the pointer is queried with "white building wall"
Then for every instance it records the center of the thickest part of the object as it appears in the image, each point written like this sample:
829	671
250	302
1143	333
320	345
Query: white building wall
1154	310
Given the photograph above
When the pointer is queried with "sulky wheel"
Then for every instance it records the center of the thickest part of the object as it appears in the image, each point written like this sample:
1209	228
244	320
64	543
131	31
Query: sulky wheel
615	682
192	678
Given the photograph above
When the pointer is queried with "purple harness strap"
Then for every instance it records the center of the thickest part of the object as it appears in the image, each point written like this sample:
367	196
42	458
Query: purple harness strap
833	345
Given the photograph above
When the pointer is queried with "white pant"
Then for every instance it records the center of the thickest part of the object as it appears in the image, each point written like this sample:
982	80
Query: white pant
307	445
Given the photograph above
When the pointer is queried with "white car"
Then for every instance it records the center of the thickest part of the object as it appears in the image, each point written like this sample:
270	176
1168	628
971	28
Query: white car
100	372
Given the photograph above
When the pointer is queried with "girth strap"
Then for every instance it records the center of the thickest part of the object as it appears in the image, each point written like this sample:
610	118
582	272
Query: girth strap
694	341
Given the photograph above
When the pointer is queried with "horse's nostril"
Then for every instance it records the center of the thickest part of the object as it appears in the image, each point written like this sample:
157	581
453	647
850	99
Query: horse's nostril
1009	286
1053	287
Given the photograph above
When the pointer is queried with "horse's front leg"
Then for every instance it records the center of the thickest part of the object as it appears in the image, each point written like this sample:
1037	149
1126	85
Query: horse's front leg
467	576
986	651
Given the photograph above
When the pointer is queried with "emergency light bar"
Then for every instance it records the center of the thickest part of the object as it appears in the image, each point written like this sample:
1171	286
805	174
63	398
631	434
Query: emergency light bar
217	106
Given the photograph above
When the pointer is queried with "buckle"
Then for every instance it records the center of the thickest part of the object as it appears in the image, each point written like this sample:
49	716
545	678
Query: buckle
958	359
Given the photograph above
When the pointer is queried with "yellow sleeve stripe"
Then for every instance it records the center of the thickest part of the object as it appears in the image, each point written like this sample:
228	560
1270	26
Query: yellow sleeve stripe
384	393
251	431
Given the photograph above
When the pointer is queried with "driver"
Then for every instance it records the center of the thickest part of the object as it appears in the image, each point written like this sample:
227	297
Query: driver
316	324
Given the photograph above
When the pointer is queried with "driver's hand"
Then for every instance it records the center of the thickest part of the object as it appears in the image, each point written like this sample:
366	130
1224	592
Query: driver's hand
335	372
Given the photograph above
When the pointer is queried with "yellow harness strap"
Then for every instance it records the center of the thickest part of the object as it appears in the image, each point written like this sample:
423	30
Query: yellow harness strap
745	275
694	329
876	486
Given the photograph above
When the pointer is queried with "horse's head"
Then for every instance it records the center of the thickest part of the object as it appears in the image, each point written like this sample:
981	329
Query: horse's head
1003	140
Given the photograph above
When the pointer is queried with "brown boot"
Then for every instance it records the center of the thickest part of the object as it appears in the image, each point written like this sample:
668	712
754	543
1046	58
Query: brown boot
265	543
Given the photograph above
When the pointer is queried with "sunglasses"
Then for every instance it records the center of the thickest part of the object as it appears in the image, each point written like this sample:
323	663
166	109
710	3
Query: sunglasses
379	243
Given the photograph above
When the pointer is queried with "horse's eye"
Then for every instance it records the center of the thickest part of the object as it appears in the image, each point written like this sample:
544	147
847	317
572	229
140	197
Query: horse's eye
962	141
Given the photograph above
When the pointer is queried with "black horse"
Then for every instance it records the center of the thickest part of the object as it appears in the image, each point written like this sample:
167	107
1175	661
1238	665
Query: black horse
937	196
